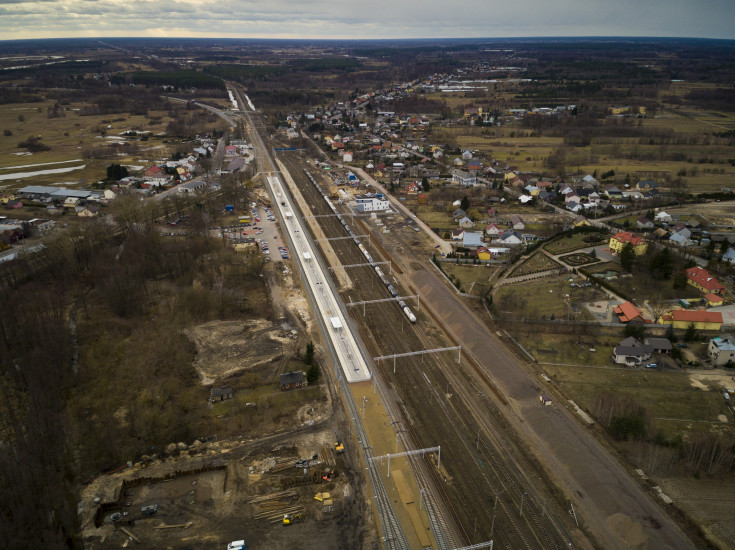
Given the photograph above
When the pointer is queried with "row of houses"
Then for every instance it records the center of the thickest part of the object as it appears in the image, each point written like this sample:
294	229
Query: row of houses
634	353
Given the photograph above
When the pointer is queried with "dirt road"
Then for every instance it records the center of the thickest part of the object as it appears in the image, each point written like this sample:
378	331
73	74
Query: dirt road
615	509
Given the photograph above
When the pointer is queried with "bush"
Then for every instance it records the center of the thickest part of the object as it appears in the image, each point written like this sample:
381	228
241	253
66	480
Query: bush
622	427
7	133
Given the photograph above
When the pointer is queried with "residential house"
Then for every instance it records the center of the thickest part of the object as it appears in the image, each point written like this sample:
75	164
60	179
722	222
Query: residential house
292	380
87	211
644	223
523	199
646	185
631	352
492	230
474	166
464	178
679	239
472	240
565	189
700	318
509	238
573	206
581	221
613	192
729	256
659	345
221	394
590	180
458	214
661	233
620	239
466	223
713	300
627	312
483	253
532	190
594	198
457	234
700	279
517	223
721	350
663	217
153	172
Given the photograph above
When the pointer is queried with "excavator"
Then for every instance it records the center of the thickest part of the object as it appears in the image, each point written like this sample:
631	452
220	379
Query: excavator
339	448
289	519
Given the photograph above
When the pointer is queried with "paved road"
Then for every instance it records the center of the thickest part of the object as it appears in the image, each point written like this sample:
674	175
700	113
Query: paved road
601	489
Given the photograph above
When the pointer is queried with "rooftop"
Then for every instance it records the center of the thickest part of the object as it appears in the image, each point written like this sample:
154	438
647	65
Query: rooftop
625	237
702	277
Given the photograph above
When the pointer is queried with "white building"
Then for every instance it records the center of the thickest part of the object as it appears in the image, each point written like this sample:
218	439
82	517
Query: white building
721	350
371	203
464	178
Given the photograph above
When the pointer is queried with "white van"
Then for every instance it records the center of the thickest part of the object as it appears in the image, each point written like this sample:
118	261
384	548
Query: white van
236	545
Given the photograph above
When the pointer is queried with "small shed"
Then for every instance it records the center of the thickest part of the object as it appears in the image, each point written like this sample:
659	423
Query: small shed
292	380
221	394
545	399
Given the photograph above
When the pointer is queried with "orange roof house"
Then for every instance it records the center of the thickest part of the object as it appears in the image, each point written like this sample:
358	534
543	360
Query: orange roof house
700	279
701	319
713	300
620	239
627	312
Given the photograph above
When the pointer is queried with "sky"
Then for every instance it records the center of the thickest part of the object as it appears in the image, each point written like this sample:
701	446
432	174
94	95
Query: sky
374	19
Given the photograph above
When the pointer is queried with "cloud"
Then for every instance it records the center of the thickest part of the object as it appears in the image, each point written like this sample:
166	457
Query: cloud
377	19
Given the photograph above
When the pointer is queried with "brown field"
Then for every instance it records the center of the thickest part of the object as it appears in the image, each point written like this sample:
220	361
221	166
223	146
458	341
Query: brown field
68	136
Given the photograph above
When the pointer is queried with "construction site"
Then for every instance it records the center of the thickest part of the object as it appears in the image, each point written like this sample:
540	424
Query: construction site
273	493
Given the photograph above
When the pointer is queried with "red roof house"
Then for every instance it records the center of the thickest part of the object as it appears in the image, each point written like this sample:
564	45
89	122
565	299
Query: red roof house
626	312
701	279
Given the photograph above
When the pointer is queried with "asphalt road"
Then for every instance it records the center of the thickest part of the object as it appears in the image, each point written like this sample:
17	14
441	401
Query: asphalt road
601	489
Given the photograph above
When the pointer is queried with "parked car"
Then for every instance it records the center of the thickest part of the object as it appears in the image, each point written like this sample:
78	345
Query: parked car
651	366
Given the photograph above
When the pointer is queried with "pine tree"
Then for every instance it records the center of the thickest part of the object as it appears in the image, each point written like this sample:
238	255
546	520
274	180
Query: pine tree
309	355
627	254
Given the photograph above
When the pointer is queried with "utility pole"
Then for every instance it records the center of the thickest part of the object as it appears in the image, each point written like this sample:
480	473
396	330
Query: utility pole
495	506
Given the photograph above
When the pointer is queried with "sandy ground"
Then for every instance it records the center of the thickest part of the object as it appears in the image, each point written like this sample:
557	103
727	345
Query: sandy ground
227	347
714	380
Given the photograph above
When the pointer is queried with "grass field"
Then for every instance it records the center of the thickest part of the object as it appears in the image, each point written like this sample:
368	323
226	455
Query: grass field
537	262
665	395
542	298
571	243
472	278
67	137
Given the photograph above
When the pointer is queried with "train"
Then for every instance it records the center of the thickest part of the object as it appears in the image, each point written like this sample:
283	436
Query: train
379	272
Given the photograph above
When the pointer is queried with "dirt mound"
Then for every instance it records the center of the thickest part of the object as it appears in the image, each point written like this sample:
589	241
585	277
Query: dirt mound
226	347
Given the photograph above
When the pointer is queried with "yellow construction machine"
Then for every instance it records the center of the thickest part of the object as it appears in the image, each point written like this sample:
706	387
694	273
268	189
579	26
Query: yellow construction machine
289	519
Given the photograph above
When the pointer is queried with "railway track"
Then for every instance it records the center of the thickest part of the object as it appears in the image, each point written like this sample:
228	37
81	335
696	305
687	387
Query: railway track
476	473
